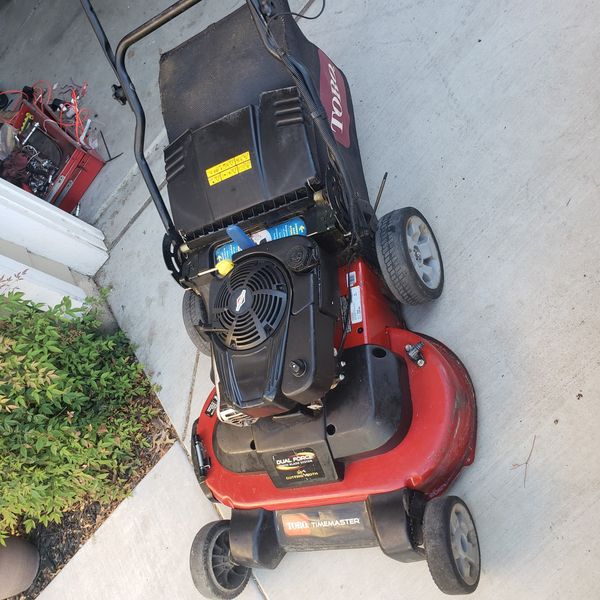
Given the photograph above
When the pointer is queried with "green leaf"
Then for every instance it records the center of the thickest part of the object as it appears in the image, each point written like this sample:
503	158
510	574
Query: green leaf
29	525
63	381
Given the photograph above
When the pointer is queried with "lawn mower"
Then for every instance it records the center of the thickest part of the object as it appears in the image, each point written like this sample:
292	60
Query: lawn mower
330	425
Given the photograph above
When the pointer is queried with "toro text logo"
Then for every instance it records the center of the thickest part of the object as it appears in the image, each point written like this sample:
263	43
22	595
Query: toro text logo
335	101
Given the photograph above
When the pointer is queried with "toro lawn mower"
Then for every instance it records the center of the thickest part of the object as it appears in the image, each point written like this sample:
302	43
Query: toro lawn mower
331	425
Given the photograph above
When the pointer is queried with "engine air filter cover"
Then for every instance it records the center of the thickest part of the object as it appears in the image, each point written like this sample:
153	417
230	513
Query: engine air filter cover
251	303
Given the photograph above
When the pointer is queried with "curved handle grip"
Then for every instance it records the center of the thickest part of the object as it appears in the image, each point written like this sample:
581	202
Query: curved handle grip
117	61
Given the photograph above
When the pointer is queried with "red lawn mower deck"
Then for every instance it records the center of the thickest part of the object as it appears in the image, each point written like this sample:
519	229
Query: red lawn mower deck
331	425
430	443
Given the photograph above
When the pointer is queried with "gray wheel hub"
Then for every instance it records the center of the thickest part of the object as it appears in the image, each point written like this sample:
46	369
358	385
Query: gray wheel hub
226	574
423	252
465	547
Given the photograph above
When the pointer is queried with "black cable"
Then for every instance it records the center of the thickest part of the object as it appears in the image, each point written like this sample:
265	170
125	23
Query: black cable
296	70
300	15
270	18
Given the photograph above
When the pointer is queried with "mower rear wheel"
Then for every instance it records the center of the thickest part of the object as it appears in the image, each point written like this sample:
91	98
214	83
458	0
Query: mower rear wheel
409	256
194	313
215	574
451	545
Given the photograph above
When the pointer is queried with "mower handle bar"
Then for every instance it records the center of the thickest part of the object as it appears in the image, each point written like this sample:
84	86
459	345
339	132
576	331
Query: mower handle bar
117	61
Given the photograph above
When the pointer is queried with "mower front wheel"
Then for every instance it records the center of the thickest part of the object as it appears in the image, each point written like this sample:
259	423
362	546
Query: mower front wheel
215	574
451	545
193	311
409	256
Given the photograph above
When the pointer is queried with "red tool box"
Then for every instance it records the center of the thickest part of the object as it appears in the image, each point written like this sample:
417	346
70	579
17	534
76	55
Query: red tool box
74	165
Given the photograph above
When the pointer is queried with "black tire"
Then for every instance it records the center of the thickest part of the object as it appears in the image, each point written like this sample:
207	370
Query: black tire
437	539
194	312
215	575
396	264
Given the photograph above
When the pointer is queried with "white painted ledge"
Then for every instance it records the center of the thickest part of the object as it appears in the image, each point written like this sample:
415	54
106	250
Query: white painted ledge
49	232
39	286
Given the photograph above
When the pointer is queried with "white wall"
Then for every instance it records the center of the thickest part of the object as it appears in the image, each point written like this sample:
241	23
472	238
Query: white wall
38	285
43	243
49	232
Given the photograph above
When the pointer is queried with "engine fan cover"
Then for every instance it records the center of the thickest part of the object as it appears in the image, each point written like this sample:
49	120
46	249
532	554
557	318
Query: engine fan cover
269	315
251	304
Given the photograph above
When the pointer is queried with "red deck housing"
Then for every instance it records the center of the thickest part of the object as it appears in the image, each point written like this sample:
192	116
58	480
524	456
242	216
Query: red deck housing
440	441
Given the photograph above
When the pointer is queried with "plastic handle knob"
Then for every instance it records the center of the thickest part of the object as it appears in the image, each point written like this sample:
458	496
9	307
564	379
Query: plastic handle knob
237	234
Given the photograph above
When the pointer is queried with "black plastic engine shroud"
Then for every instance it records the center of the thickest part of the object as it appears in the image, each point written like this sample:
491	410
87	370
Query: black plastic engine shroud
274	319
369	411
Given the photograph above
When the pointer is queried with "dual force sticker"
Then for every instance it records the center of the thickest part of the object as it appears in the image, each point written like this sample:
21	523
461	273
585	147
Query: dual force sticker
298	465
229	168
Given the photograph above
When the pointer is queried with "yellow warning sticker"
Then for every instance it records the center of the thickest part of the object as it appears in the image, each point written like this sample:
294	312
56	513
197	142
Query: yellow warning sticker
229	168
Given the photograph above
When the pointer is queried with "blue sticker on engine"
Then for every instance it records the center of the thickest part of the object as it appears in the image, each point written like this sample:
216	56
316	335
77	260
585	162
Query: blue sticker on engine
295	226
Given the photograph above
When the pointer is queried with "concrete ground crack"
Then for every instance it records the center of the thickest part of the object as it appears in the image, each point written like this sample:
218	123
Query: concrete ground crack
261	589
188	408
134	218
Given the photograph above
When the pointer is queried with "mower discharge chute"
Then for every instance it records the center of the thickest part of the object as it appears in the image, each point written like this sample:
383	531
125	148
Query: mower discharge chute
331	425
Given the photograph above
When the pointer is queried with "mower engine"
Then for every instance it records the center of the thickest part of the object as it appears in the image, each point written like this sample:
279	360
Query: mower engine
274	320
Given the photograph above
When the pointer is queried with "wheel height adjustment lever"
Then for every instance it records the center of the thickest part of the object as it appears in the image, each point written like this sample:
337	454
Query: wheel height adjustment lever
415	354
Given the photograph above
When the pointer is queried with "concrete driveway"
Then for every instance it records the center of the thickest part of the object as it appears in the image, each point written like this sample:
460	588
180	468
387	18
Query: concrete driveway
486	115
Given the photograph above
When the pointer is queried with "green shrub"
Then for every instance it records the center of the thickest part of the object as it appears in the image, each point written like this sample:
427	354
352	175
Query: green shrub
73	407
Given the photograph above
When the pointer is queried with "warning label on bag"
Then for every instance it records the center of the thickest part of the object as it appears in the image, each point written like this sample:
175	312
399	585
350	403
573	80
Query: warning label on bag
297	465
229	168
